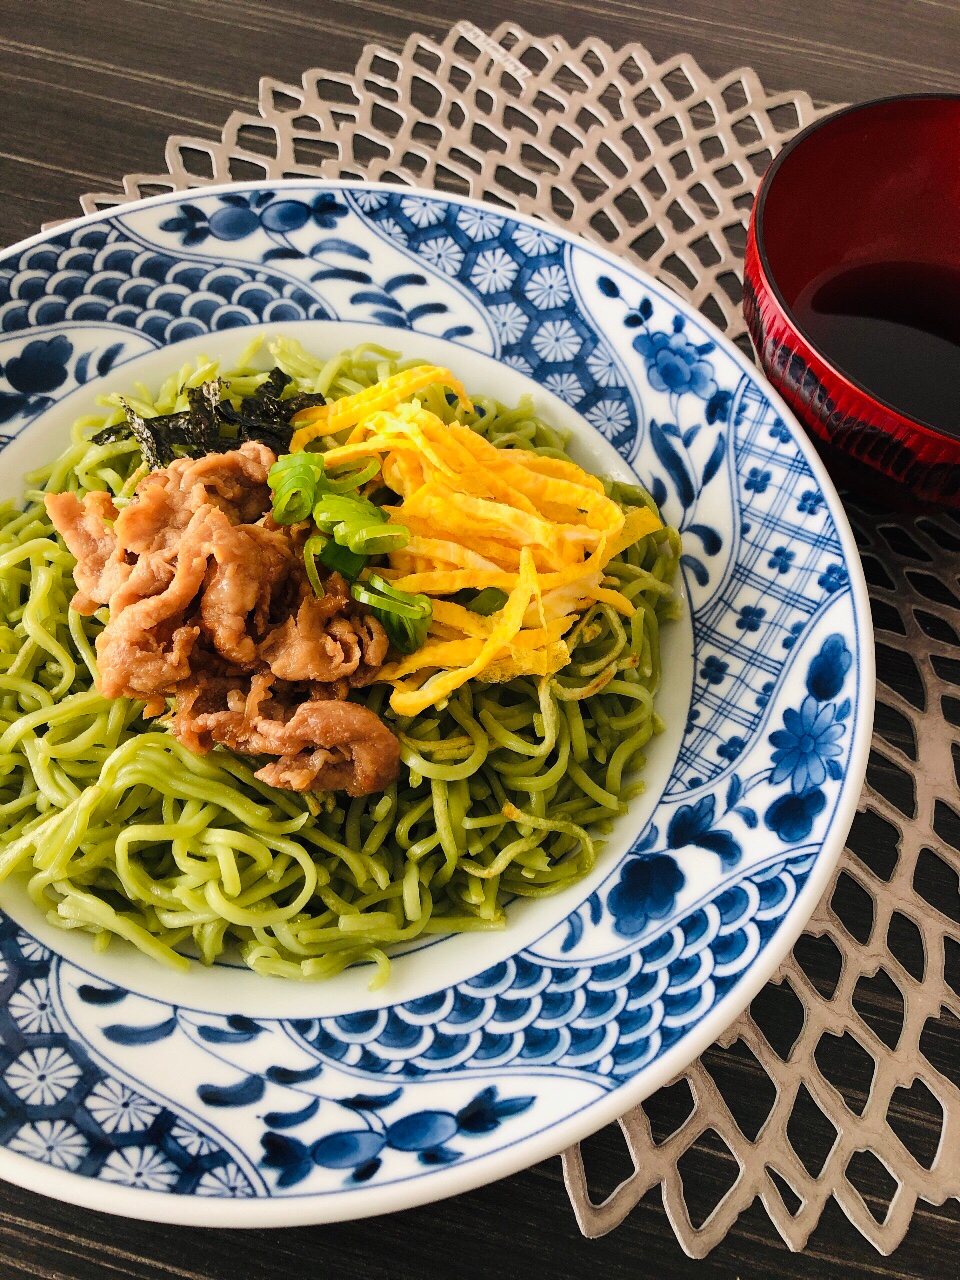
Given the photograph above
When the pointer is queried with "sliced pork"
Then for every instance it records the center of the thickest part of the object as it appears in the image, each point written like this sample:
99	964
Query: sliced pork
210	604
323	744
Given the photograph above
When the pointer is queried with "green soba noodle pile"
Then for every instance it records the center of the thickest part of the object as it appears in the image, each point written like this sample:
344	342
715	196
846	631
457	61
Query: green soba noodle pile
125	832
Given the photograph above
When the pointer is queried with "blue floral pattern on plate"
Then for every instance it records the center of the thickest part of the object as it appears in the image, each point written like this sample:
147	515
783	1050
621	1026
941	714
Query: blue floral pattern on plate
538	1048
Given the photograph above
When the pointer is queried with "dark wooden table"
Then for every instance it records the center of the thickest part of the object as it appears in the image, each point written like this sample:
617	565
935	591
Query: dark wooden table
90	90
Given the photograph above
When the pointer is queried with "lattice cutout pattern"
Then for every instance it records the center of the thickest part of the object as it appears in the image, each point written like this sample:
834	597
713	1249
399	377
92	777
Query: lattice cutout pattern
855	1082
657	162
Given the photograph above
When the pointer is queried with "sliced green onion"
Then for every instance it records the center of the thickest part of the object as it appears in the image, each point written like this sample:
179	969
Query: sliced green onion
406	608
294	479
406	635
359	525
344	481
341	560
313	547
333	557
379	542
489	600
405	618
332	508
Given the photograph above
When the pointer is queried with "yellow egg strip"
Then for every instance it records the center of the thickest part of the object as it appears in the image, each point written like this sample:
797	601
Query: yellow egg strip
571	599
439	631
445	582
532	662
585	574
540	529
471	465
447	552
522	661
639	522
421	423
468	516
557	468
396	442
435	654
601	511
449	614
450	653
324	420
485	469
498	554
519	486
409	701
443	447
410	426
402	472
615	599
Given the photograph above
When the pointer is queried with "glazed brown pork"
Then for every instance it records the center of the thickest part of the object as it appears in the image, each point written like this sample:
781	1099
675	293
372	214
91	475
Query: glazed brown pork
330	745
209	602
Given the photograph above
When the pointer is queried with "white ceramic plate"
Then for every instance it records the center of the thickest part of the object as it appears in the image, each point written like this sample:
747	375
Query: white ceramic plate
128	1089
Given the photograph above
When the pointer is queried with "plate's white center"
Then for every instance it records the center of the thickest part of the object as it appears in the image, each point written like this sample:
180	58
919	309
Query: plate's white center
227	989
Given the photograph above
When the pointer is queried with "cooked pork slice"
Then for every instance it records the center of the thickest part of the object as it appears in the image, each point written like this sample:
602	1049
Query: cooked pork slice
147	664
235	481
130	650
357	752
154	521
150	575
323	744
248	564
373	648
330	639
86	528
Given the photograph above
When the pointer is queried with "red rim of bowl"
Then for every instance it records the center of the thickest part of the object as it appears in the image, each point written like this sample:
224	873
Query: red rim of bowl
928	445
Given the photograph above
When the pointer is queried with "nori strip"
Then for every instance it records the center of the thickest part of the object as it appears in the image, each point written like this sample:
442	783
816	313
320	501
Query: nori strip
204	428
155	436
213	425
264	416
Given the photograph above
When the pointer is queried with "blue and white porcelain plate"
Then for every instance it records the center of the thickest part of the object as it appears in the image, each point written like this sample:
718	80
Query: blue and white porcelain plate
227	1099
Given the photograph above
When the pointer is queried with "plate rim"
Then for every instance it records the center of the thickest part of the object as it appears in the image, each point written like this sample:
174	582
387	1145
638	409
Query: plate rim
372	1200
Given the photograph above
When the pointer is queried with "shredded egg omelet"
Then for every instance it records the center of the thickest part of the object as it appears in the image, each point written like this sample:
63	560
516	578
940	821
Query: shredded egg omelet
540	529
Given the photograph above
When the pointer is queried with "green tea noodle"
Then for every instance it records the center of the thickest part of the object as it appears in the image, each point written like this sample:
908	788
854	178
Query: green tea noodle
125	832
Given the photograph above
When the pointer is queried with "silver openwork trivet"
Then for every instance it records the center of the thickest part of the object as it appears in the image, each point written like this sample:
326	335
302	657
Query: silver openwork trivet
660	163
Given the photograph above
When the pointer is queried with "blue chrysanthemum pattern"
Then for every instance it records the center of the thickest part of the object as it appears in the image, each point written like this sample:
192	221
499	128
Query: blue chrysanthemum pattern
58	1105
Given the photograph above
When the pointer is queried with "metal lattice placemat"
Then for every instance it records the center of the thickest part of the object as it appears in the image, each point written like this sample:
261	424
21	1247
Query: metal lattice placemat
659	162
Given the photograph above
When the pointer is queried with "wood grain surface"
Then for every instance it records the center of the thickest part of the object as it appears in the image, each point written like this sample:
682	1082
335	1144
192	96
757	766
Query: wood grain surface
90	90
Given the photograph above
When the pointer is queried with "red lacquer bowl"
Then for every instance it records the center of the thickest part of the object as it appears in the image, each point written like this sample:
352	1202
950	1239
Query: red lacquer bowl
879	182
